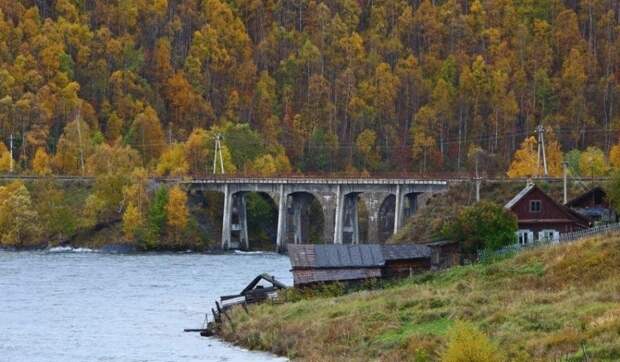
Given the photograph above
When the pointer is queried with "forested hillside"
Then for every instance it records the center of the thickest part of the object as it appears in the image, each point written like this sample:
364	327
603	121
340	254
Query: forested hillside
303	86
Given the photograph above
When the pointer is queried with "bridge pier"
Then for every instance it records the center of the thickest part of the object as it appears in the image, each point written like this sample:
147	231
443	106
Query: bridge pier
350	230
226	217
241	227
388	203
339	217
282	212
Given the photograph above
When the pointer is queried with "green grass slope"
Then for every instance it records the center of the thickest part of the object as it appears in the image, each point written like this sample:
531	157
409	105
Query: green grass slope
551	303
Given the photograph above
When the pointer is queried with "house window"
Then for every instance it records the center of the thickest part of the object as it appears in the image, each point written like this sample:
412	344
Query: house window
535	206
525	236
548	235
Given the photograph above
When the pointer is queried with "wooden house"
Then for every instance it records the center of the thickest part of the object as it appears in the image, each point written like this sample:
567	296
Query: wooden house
312	264
541	217
594	205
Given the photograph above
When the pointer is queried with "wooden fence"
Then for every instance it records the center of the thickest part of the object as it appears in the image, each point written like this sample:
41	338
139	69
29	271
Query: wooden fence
564	238
601	229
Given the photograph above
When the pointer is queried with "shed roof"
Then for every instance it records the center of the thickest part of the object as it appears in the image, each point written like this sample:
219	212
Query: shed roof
352	256
335	256
405	251
596	194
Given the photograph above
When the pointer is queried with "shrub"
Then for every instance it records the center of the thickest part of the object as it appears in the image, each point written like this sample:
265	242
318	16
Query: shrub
468	344
485	225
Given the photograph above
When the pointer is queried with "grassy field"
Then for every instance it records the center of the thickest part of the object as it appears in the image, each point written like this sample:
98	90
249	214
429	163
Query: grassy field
556	303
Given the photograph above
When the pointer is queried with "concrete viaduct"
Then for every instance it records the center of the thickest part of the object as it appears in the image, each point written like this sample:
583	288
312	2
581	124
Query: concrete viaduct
388	202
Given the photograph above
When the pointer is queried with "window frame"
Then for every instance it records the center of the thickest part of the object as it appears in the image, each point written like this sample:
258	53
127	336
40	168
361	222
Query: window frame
534	202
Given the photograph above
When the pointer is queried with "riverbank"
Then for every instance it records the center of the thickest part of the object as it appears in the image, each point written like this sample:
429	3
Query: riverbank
550	303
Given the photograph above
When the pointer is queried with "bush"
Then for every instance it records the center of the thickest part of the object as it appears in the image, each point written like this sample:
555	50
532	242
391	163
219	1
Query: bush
485	225
467	344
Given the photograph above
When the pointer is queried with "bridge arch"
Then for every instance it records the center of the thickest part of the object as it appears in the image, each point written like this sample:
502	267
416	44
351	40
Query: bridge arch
305	218
355	219
254	219
386	218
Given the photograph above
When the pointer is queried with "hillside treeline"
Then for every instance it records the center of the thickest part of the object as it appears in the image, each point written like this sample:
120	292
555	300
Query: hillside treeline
305	86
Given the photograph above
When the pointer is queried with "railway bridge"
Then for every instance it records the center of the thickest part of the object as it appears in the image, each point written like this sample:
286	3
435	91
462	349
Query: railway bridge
387	202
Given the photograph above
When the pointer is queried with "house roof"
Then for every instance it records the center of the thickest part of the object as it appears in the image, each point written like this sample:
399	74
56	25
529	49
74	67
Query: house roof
325	256
526	190
596	192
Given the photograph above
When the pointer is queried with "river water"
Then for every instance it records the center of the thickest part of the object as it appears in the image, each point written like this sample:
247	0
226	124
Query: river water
76	305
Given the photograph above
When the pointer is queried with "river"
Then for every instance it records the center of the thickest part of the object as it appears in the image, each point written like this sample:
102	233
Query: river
76	305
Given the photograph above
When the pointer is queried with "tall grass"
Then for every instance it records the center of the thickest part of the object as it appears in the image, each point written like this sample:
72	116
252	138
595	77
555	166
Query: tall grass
550	303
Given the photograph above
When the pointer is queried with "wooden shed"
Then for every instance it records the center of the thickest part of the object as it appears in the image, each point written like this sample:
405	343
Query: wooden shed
445	254
403	260
322	263
541	217
594	205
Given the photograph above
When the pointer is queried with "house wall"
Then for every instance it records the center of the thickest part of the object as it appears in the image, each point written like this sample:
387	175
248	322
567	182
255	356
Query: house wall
550	217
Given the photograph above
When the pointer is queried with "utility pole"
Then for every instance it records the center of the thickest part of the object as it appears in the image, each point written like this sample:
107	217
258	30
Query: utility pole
11	146
218	152
541	148
477	179
565	164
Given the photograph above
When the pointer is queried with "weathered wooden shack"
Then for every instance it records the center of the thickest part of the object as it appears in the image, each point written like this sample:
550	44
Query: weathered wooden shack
403	260
312	264
594	205
445	254
541	217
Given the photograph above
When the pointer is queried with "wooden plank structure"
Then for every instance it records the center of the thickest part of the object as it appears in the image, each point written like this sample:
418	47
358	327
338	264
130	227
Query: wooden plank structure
314	264
252	293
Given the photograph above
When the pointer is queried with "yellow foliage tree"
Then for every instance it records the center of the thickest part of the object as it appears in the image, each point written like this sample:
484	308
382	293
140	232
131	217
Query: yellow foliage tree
5	159
592	162
614	156
197	151
41	163
524	162
132	221
19	221
265	165
136	192
365	143
555	158
173	162
176	211
467	343
115	159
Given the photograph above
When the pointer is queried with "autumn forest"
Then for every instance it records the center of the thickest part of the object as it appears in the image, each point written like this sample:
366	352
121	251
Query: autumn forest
143	87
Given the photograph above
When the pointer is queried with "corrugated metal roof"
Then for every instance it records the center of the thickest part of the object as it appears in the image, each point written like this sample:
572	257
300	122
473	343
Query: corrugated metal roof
352	256
519	196
405	251
335	256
